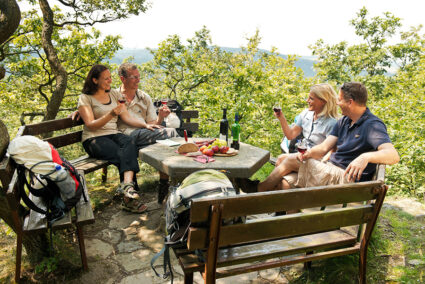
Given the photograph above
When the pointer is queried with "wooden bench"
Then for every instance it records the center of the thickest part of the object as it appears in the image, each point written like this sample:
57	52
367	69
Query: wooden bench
271	242
36	223
74	134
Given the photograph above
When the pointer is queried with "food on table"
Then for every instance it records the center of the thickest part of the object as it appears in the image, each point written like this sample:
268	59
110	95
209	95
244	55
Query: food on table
187	148
214	146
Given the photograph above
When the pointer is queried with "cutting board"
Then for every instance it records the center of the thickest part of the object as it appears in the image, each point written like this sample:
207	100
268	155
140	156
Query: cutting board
231	152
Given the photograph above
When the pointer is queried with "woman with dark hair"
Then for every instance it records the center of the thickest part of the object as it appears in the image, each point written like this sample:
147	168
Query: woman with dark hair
101	138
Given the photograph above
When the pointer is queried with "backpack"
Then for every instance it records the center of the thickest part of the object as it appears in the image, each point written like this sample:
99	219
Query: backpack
200	184
46	175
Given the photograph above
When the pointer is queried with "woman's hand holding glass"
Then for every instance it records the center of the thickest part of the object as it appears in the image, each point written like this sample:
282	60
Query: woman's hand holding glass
119	109
277	110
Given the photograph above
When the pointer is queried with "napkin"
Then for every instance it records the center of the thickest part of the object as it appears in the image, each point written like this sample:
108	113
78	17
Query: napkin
204	159
168	142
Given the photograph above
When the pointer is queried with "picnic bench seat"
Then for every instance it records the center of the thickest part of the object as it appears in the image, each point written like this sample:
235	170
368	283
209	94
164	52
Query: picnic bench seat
235	248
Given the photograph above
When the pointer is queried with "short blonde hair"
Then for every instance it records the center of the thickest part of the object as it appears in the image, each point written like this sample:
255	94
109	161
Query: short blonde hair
326	93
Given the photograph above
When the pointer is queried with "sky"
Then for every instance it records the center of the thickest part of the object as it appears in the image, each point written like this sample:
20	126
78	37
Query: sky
289	25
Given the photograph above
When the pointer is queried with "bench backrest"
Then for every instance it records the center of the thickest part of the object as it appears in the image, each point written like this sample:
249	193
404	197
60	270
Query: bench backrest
75	136
368	198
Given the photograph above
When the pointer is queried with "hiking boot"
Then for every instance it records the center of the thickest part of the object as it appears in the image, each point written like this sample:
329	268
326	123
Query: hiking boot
163	190
247	185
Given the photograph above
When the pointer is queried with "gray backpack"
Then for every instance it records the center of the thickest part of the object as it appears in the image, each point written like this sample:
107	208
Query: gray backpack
200	184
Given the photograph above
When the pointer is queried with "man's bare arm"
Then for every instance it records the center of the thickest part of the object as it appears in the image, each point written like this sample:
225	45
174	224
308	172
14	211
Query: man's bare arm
318	151
386	154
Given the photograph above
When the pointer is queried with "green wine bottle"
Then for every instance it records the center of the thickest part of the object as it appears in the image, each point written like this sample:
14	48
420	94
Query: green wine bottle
236	132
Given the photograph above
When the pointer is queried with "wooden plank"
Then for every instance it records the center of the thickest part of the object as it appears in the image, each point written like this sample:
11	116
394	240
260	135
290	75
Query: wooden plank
190	114
270	249
191	126
88	164
36	222
380	174
280	227
214	236
65	139
273	160
50	125
292	199
83	209
288	261
12	193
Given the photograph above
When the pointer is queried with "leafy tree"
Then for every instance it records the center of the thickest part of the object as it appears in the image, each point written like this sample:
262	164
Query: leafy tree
47	59
30	85
39	37
206	78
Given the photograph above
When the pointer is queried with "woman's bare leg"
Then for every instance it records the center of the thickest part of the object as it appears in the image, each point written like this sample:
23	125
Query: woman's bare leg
273	181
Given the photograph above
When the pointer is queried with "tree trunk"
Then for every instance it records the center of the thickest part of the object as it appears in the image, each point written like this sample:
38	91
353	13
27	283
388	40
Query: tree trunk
4	139
35	246
54	62
10	16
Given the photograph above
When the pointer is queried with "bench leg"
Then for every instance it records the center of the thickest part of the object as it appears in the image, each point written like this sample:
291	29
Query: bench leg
104	173
362	266
82	246
307	265
18	257
188	278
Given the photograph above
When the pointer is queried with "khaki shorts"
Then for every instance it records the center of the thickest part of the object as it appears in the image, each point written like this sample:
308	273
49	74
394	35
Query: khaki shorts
291	179
317	173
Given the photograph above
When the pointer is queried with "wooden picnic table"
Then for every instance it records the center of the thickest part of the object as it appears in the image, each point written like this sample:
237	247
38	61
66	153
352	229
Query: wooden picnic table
165	159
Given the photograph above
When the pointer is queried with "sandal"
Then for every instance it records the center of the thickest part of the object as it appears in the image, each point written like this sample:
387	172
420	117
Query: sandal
133	205
129	191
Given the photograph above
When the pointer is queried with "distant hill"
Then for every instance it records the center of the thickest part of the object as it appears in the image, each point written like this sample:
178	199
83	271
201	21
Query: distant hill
144	55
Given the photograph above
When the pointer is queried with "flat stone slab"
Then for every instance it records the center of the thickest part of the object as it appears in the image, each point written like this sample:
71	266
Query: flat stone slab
98	248
408	205
139	259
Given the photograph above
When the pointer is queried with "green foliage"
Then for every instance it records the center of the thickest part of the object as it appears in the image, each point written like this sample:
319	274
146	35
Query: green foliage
394	75
208	79
28	87
48	264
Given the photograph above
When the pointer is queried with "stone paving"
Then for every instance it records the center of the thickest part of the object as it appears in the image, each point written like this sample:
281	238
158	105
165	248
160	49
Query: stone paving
120	246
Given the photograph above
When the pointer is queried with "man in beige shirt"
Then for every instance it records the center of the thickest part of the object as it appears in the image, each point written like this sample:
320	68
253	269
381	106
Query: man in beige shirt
140	105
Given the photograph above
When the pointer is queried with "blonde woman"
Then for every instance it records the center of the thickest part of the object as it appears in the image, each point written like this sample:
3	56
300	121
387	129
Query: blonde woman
315	123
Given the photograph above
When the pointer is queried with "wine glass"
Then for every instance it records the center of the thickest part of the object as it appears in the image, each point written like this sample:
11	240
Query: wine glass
301	146
121	100
164	101
277	109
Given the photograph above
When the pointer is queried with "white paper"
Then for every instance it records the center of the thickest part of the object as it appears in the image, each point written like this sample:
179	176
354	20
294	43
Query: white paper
168	142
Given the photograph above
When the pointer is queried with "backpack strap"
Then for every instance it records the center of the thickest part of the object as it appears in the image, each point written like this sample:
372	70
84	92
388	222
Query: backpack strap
22	181
167	262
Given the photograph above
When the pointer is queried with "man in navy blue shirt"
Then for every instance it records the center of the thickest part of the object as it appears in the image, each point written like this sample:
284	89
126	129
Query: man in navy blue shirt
360	139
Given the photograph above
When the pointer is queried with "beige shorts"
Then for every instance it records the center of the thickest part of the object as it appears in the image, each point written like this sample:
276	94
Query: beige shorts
317	173
291	179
